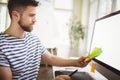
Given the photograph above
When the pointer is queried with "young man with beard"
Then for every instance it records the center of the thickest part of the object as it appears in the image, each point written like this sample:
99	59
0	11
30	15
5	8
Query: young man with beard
21	52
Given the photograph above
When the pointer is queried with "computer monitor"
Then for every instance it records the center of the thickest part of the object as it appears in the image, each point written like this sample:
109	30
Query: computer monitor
106	35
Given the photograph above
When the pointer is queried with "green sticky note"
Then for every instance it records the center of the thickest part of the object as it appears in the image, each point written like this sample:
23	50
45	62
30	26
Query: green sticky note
96	52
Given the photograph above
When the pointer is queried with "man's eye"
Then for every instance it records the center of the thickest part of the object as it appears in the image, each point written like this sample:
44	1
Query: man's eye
32	15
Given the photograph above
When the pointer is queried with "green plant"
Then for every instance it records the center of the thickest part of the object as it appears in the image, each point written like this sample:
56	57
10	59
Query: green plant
76	33
76	30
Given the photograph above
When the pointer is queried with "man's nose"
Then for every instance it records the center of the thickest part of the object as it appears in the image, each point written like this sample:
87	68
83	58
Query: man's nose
34	20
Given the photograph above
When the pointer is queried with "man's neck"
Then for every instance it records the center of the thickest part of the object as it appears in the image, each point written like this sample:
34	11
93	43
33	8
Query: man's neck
16	32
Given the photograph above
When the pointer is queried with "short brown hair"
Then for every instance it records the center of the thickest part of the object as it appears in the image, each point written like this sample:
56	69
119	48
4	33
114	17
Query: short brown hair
20	4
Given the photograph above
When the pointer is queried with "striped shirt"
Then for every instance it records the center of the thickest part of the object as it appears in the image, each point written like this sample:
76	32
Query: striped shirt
23	56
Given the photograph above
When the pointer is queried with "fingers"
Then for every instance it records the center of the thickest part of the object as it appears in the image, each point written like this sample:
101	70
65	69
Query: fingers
83	61
88	59
62	77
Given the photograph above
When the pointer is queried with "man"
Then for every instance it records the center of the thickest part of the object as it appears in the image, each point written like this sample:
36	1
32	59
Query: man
21	52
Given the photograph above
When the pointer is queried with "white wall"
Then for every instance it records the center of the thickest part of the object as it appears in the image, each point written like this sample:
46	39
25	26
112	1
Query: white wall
51	27
85	21
45	26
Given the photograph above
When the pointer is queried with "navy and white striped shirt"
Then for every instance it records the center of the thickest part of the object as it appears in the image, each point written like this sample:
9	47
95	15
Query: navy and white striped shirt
23	56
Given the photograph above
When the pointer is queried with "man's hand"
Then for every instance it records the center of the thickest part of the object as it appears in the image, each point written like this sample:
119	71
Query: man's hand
5	73
83	61
62	77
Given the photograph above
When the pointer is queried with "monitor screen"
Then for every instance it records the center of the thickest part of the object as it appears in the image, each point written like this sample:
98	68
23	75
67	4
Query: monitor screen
106	35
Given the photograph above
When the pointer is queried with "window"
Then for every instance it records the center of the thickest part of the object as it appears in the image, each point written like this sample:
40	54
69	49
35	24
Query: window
3	1
92	18
4	17
105	7
117	4
63	4
63	13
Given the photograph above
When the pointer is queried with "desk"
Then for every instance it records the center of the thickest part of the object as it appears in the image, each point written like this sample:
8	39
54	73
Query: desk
96	75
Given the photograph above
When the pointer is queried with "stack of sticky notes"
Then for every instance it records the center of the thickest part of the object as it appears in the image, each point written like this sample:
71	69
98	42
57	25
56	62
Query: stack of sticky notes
95	52
93	67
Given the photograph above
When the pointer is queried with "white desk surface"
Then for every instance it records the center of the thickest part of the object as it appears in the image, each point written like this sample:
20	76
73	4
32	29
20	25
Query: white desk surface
96	75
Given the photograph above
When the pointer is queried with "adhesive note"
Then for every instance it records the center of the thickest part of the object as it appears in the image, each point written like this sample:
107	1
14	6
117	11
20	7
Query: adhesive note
93	67
96	52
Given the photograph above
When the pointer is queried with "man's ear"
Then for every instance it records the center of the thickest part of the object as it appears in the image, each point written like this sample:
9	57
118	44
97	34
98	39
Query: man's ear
15	15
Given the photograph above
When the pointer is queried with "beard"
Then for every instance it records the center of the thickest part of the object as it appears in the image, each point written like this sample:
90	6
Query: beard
25	27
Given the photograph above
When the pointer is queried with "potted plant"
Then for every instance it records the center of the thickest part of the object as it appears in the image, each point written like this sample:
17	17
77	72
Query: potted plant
75	34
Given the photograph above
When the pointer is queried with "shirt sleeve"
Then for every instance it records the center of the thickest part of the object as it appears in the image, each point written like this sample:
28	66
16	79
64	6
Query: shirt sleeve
42	48
3	59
